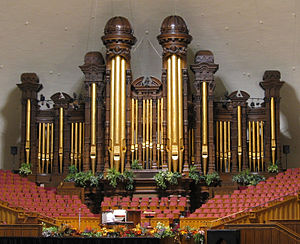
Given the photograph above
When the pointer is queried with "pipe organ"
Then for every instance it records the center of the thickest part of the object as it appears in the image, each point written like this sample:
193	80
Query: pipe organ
168	123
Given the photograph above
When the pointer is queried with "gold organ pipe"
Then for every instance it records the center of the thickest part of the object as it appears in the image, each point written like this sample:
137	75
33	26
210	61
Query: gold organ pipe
80	146
76	145
144	132
217	145
136	129
262	144
112	112
258	145
162	130
169	112
51	149
273	139
174	118
61	138
180	115
225	147
27	142
239	120
221	146
47	148
123	114
132	128
158	133
72	144
93	151
43	148
250	145
147	132
39	148
229	146
253	146
151	128
204	127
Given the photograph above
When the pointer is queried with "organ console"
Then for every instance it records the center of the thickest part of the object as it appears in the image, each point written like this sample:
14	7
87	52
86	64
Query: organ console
173	122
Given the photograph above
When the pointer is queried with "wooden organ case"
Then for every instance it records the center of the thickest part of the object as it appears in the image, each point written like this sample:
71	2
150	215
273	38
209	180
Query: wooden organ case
160	123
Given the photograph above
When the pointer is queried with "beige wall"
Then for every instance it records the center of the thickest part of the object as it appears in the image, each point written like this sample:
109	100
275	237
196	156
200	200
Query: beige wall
51	38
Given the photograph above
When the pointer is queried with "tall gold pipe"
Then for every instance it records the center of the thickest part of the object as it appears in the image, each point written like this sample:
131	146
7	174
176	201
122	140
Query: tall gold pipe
240	150
162	131
273	139
229	146
217	146
158	133
174	100
180	115
80	146
225	147
39	148
123	114
43	149
147	132
262	144
221	146
76	145
151	128
169	114
48	148
51	149
93	151
72	144
250	145
144	132
112	113
258	145
27	142
61	138
253	146
136	129
132	128
204	127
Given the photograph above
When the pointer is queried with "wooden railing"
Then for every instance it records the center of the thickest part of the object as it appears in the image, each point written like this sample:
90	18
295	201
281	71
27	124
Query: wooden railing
288	209
265	233
21	230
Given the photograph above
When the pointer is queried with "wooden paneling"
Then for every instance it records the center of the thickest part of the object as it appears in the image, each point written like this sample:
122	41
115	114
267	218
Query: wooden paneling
21	230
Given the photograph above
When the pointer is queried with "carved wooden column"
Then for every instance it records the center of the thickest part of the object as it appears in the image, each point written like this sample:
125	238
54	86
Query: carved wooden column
30	87
174	39
239	145
118	39
204	69
271	84
93	70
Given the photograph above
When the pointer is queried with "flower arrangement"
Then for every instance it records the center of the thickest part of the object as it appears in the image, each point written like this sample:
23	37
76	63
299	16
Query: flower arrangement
159	231
190	233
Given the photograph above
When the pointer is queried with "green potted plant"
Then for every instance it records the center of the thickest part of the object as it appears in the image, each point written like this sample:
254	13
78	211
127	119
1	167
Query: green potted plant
273	168
128	178
211	179
165	178
246	178
135	165
25	169
194	174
